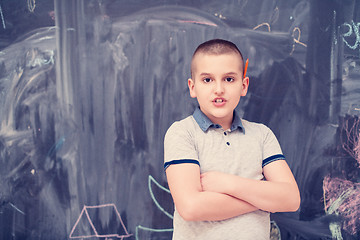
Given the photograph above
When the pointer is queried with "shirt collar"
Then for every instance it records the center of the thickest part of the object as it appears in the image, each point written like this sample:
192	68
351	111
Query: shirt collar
205	123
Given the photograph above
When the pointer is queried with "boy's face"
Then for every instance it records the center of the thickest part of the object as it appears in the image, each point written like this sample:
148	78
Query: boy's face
218	84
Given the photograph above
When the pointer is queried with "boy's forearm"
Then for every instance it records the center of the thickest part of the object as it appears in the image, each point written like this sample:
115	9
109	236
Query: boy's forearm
267	196
213	206
193	203
279	193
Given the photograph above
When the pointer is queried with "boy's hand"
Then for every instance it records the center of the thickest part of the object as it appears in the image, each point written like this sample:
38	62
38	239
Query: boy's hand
215	182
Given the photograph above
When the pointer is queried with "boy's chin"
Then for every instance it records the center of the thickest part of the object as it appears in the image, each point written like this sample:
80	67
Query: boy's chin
219	114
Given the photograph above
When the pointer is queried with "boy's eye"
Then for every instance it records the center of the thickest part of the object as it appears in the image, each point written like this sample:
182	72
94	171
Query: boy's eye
229	79
207	80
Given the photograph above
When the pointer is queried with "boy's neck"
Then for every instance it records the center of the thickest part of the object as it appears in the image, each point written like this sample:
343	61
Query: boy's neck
226	126
224	123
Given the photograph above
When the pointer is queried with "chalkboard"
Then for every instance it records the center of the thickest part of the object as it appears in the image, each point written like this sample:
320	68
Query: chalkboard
89	88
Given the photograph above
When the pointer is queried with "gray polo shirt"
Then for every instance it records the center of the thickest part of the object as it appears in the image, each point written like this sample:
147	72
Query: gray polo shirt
242	150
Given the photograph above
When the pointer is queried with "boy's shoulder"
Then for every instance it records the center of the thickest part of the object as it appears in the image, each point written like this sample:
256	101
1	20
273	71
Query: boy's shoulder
185	120
185	124
248	123
254	126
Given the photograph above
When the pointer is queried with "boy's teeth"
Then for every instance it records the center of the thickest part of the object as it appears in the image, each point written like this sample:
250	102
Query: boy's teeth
218	100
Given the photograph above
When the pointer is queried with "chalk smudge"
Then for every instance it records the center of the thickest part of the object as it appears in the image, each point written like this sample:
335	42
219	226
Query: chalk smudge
342	197
351	141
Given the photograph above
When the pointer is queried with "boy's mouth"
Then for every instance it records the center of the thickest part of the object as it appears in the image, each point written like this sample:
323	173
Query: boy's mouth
219	100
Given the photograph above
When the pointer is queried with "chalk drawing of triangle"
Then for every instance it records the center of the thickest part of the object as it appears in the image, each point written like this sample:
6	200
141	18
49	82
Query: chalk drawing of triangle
88	224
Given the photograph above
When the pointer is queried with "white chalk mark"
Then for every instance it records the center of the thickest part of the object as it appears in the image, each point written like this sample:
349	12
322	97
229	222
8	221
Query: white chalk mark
39	60
275	15
219	15
335	230
197	22
275	231
31	5
335	204
334	52
17	209
109	235
2	18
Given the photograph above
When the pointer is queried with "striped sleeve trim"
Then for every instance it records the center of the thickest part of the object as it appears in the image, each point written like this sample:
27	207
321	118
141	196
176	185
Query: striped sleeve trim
167	164
272	159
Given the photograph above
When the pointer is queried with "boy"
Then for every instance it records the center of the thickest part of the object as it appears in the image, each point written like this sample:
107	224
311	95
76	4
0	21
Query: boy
225	174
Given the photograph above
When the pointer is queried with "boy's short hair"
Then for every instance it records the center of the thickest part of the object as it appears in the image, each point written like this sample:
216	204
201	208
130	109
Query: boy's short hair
216	47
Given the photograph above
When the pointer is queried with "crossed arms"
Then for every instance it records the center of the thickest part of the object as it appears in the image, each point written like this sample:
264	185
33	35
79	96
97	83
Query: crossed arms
215	196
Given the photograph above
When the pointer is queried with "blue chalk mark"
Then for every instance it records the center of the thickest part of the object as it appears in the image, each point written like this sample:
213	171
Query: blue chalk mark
151	179
139	227
352	28
150	230
56	147
2	18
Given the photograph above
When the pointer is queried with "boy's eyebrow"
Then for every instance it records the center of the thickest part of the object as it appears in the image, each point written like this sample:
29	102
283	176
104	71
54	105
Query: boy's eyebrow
205	74
231	73
228	73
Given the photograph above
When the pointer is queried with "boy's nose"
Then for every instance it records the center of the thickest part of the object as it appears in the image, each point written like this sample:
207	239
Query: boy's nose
219	87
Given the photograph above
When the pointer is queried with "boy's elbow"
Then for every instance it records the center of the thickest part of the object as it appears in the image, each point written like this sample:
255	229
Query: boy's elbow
290	204
294	205
297	204
188	216
189	212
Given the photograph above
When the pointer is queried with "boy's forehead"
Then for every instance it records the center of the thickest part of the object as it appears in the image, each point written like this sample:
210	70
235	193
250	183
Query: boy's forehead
201	57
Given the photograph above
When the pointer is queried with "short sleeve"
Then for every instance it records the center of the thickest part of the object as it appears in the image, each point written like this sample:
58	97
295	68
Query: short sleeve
179	145
271	148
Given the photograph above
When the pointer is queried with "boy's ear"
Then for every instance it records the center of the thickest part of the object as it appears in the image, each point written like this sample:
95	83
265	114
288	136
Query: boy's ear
245	86
191	85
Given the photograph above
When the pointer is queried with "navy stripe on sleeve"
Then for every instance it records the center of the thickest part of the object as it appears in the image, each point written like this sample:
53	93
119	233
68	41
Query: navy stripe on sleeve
167	164
272	159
